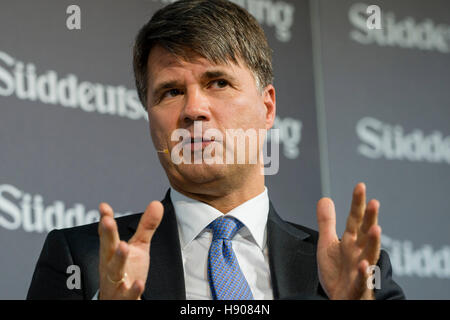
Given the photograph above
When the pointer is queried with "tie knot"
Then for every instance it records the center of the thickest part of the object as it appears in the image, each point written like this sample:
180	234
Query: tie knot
225	227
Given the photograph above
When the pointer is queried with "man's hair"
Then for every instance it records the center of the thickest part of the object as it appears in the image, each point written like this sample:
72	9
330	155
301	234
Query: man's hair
217	30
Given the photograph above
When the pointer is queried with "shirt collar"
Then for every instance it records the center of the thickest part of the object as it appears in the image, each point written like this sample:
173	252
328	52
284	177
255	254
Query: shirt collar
194	216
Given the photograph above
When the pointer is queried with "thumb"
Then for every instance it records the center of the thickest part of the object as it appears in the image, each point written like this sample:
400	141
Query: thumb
326	219
148	224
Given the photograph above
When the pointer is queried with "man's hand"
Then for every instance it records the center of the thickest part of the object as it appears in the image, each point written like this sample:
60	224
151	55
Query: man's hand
124	266
343	264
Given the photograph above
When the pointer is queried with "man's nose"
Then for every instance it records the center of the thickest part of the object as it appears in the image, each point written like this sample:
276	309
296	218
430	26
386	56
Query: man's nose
196	106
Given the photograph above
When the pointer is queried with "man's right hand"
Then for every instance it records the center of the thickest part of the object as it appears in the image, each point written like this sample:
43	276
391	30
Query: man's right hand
124	265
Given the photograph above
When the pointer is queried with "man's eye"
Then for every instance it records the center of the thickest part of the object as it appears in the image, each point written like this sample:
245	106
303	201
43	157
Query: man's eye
221	83
171	91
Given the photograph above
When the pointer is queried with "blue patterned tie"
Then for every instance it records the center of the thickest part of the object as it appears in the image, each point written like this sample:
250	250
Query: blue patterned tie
226	280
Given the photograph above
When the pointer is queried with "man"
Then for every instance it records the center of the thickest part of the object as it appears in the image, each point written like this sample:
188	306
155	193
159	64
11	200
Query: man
215	235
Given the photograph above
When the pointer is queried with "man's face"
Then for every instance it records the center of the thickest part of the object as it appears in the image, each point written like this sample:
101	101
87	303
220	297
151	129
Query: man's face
219	96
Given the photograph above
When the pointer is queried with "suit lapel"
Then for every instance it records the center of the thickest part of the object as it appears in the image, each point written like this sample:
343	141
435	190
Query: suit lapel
165	278
292	259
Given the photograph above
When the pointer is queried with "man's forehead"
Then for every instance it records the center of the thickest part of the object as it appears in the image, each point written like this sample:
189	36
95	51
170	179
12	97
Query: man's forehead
161	59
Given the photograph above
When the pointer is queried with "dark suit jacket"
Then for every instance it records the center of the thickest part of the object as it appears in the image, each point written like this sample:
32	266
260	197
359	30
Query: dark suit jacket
292	259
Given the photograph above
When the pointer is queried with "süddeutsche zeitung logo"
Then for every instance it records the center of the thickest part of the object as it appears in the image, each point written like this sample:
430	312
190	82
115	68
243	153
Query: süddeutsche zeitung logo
420	261
407	33
275	14
22	210
393	142
22	80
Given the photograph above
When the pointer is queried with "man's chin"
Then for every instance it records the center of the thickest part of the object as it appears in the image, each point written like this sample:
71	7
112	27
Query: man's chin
202	173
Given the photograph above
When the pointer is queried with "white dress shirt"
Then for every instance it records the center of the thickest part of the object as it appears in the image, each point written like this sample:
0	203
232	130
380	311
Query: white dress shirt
249	244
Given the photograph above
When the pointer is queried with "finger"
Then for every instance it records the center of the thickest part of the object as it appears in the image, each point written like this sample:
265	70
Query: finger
371	215
361	279
107	229
370	219
116	267
371	251
149	223
357	208
326	219
105	210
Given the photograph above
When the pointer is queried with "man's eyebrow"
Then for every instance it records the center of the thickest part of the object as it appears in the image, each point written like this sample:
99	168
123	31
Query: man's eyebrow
211	74
165	85
207	75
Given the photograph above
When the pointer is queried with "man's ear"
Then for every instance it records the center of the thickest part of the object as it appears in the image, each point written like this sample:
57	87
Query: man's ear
270	104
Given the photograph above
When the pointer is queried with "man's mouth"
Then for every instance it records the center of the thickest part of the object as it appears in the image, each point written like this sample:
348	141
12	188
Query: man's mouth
200	143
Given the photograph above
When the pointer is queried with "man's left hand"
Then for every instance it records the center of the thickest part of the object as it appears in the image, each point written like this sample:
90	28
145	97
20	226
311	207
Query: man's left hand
343	264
